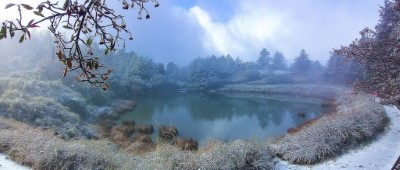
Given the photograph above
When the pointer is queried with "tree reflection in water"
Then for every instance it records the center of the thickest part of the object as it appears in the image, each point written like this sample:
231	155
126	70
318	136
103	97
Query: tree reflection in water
224	117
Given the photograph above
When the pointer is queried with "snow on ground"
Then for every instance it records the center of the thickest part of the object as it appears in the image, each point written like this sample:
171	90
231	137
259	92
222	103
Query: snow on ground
380	154
6	164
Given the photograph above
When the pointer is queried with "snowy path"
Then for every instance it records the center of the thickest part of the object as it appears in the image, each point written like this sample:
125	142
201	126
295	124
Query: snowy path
6	164
380	154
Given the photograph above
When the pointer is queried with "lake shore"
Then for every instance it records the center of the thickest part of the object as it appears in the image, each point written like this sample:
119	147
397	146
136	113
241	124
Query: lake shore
17	137
379	154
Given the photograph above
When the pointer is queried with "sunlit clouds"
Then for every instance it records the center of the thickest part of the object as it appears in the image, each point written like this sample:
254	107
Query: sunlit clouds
249	29
287	26
181	31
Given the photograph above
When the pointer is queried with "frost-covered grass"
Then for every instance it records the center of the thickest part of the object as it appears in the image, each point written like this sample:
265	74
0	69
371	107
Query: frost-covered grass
310	90
46	104
52	105
358	119
41	150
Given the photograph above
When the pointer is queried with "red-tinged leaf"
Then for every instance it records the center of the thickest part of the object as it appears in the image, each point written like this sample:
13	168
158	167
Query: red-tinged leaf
26	6
59	55
83	75
69	63
9	5
33	26
96	65
30	22
65	72
29	33
104	78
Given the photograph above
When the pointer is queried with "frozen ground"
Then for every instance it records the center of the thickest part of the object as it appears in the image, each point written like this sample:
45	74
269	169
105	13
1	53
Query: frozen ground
380	154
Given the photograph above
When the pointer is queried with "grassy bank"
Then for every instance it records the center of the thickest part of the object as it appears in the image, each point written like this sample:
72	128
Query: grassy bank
358	119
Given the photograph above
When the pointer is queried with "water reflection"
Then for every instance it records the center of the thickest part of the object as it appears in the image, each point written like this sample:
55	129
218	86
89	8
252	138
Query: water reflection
204	116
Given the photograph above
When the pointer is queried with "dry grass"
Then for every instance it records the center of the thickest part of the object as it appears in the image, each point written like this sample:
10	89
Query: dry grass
42	150
304	125
357	120
145	129
234	155
120	134
186	144
167	132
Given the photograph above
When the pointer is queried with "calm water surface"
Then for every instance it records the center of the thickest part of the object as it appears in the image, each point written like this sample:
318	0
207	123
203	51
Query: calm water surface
206	116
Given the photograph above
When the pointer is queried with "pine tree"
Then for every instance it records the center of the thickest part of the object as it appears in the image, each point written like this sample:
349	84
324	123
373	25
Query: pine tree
278	61
302	64
264	60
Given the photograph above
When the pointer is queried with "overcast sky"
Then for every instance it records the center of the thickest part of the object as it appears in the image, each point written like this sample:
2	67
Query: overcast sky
180	30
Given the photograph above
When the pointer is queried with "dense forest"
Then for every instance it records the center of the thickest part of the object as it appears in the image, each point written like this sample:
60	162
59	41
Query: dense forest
134	73
203	71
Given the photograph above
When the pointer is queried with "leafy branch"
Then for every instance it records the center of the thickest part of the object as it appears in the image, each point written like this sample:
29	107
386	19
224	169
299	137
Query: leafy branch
84	23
